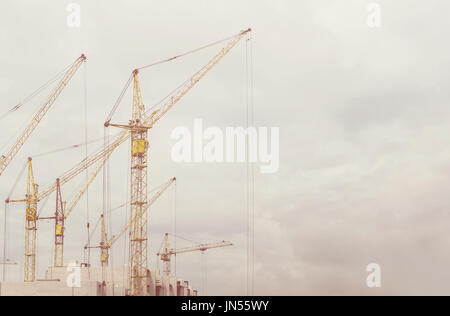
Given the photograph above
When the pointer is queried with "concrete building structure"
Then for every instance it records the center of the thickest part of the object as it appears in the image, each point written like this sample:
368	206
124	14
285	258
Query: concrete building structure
80	280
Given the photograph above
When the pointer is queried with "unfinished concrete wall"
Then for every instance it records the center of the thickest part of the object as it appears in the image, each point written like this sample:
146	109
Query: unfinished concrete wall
47	288
95	281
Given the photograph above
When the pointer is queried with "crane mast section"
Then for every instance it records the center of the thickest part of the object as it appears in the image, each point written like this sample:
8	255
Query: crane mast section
150	202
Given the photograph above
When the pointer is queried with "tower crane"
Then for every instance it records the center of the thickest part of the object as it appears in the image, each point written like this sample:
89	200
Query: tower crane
167	252
106	244
12	152
150	119
137	130
63	211
31	217
58	255
140	126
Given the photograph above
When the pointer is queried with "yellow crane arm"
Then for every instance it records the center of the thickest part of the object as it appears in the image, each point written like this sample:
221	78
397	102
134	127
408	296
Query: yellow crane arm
189	84
150	120
86	163
9	156
71	205
203	247
114	238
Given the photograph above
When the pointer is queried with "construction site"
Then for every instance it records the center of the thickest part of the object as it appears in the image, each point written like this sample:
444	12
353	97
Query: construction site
69	276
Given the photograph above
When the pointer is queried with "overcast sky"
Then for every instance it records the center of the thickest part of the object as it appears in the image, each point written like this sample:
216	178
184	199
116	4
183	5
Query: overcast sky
364	135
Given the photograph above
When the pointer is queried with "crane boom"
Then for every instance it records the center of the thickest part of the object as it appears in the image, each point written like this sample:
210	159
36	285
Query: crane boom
202	247
71	205
167	252
189	84
9	156
150	120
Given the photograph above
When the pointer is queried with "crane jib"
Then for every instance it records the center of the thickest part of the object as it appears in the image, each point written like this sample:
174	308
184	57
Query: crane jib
9	156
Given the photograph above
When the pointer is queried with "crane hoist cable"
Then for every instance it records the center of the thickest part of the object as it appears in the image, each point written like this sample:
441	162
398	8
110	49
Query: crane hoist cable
13	188
5	240
86	147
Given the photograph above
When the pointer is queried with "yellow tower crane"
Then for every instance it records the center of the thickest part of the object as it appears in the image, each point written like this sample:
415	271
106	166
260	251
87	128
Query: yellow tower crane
63	211
31	217
150	120
137	130
167	252
59	218
106	244
12	152
32	198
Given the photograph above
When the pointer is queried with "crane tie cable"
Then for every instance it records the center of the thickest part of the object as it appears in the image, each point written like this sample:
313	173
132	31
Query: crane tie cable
34	93
69	147
127	84
186	53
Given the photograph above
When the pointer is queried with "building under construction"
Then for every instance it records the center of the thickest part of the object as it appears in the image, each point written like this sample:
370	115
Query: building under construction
135	278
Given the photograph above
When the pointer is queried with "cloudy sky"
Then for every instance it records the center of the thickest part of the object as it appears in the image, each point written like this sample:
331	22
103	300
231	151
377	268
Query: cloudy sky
363	117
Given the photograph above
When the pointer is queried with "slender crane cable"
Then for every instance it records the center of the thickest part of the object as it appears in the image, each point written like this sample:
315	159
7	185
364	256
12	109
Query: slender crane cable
105	185
79	145
128	82
247	173
86	123
5	241
253	113
175	225
186	53
250	170
34	93
128	211
109	216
